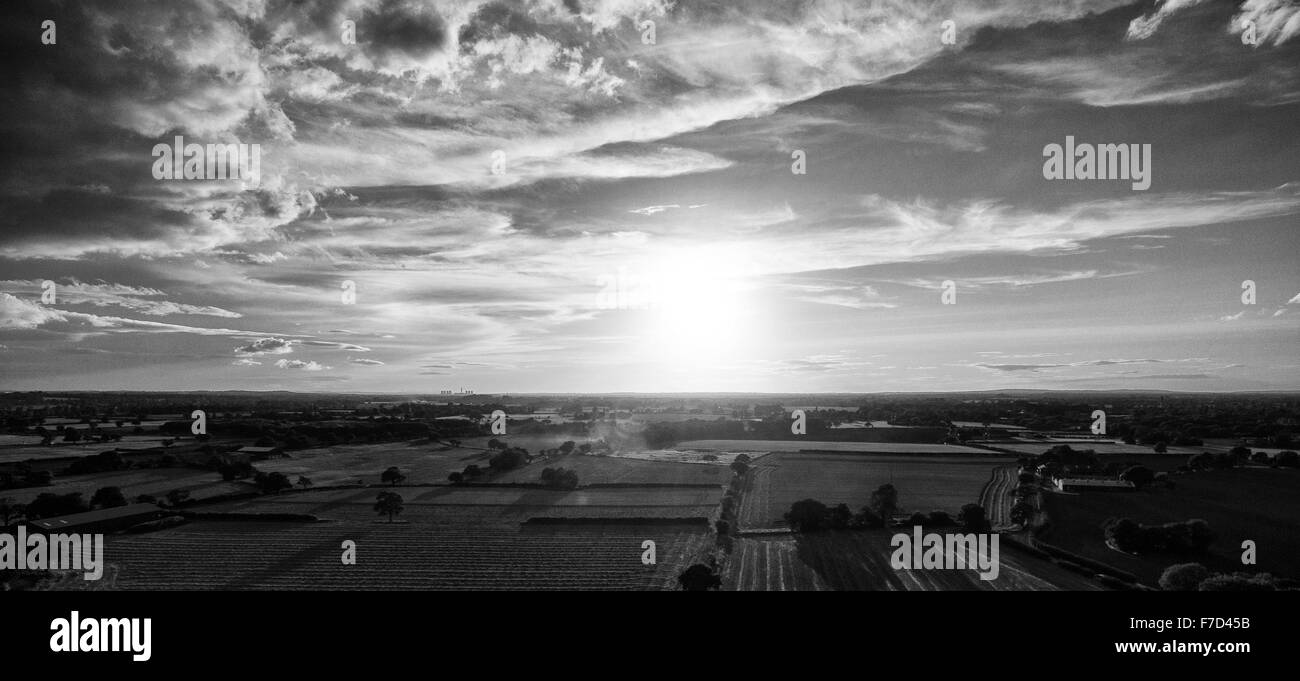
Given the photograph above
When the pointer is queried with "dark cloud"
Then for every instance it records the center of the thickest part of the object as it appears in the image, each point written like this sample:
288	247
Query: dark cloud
410	28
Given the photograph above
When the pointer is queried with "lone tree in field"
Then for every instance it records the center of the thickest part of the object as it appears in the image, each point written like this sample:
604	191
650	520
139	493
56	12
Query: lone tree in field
740	464
1140	476
304	482
389	503
392	476
808	515
973	519
884	502
699	577
108	497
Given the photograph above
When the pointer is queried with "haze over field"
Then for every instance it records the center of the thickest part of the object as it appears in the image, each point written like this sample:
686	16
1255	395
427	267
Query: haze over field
645	231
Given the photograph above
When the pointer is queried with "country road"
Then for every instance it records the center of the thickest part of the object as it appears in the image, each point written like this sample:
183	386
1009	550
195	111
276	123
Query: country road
996	496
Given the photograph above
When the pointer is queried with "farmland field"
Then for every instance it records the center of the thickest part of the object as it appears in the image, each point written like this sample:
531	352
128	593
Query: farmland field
446	502
289	556
155	481
812	445
606	469
29	447
1107	447
420	461
1268	516
859	561
924	483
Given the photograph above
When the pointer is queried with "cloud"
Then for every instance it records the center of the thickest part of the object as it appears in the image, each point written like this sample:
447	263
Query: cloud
1144	26
246	363
16	313
366	362
334	345
651	210
301	365
266	346
1019	367
105	294
1276	20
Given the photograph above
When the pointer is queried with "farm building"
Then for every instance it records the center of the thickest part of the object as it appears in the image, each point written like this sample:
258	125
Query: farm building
102	520
1079	484
257	453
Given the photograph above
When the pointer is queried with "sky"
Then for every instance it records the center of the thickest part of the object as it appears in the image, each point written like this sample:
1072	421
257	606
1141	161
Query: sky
646	195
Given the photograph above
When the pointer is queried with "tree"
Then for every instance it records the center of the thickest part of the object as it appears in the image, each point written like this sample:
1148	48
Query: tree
456	477
884	502
1022	513
508	459
388	503
741	463
177	497
272	482
561	478
840	517
940	519
304	482
71	435
1124	533
868	518
808	515
699	577
11	509
973	519
1161	447
1183	577
1201	536
496	444
1238	582
108	497
238	470
1140	476
49	505
567	447
392	476
1286	459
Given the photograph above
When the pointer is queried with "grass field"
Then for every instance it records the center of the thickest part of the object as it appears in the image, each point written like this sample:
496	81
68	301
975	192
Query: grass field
1260	504
924	483
859	561
821	446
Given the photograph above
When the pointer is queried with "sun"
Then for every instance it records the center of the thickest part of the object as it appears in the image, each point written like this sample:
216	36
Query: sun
699	314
